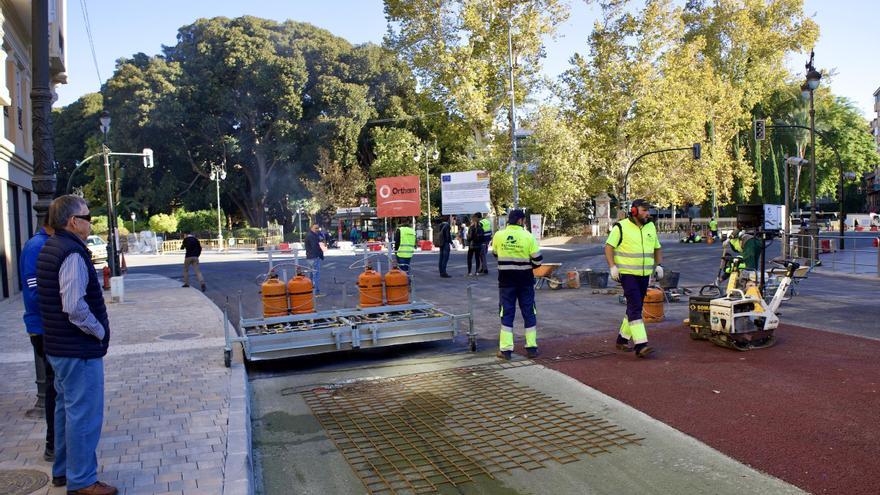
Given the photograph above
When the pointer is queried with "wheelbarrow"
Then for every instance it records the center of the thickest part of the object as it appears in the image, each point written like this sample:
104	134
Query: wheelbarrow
546	274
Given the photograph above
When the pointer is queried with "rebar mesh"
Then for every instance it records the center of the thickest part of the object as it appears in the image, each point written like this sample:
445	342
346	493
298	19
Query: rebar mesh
414	433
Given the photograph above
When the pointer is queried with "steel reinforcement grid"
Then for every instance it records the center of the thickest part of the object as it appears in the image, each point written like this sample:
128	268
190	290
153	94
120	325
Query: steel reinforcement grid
415	433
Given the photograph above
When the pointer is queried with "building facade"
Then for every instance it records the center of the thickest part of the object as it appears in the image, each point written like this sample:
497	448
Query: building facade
17	218
875	122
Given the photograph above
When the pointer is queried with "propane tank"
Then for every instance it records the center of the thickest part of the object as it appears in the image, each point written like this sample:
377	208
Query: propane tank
274	297
652	307
396	287
370	288
302	299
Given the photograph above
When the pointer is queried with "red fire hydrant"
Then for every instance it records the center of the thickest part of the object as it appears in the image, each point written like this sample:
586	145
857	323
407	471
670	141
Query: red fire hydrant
106	278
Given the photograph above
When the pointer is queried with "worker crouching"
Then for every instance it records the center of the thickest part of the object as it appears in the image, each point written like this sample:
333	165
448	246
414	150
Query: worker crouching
633	253
517	252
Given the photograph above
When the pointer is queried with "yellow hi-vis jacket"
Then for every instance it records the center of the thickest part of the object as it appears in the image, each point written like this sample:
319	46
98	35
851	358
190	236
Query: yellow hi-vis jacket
407	242
517	252
634	252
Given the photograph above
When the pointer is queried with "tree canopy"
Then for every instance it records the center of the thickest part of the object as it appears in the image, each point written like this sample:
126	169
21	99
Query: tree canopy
297	116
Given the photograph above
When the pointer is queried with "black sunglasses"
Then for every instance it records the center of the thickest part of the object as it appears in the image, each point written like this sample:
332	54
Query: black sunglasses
87	218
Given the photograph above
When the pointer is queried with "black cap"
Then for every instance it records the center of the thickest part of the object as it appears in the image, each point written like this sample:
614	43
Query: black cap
643	203
514	216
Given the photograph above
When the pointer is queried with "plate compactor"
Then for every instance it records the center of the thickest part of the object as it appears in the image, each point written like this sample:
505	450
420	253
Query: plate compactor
739	320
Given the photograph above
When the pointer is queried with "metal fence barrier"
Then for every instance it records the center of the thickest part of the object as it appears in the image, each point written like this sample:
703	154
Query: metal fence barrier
860	254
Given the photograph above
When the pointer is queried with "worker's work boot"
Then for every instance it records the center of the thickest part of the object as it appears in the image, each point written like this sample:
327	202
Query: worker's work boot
532	352
622	344
643	350
505	355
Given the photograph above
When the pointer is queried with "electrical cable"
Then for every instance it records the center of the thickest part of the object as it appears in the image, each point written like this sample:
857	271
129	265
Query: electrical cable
88	25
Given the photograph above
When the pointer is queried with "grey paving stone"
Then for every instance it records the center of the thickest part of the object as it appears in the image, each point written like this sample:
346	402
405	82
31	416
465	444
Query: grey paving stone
160	396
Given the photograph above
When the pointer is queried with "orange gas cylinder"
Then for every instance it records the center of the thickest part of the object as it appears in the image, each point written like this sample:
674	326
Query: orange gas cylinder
274	297
302	299
396	287
370	287
652	308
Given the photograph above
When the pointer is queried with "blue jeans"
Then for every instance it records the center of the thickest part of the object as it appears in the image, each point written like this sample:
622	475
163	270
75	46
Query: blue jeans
315	274
444	258
79	414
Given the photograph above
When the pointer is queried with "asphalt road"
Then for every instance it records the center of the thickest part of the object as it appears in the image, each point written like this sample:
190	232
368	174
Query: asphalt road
836	303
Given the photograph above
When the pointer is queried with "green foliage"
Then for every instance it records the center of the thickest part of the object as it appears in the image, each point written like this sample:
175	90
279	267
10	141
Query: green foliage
163	223
197	221
248	233
560	175
99	224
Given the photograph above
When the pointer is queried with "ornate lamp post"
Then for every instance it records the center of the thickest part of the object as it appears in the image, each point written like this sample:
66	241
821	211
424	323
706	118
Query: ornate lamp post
218	173
812	82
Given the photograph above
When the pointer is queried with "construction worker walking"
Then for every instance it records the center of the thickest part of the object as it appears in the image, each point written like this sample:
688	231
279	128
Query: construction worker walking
633	253
517	253
404	246
713	228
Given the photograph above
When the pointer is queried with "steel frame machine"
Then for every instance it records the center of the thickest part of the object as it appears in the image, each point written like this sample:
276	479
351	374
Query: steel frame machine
343	329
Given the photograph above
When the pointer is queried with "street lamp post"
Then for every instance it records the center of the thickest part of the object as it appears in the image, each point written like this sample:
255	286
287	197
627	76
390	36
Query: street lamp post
147	154
218	173
111	211
133	217
430	153
813	77
514	165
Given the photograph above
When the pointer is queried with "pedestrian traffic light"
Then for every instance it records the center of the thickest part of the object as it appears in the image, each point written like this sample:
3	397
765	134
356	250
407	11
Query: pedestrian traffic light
697	151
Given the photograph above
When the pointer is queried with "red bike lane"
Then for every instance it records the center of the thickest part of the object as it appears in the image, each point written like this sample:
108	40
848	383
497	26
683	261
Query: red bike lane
805	410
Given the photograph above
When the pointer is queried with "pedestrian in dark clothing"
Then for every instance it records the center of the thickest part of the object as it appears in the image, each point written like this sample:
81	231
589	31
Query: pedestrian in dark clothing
445	247
486	227
315	248
475	244
76	334
34	323
191	259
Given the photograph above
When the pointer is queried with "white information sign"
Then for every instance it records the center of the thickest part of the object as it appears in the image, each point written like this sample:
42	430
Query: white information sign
465	192
536	224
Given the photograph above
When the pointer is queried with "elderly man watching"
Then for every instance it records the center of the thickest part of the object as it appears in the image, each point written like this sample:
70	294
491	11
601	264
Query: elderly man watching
76	334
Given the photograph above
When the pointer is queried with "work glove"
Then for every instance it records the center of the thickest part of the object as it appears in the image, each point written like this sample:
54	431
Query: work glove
615	273
658	272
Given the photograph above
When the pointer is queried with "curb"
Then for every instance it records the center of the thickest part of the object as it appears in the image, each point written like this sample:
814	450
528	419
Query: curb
238	468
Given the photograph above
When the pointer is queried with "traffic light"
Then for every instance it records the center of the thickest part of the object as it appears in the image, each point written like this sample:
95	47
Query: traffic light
760	130
697	152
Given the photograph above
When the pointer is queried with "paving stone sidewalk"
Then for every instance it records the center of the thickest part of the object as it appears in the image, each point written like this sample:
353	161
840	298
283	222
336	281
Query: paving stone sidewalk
175	420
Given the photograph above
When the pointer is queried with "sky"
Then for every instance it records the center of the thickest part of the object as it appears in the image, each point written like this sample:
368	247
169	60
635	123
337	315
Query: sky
847	45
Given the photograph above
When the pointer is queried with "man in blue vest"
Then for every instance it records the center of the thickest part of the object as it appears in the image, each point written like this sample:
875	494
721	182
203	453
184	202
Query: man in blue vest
518	253
76	334
633	253
34	324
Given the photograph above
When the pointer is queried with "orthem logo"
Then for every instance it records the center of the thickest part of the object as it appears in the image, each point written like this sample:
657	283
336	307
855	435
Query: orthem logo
385	191
446	178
